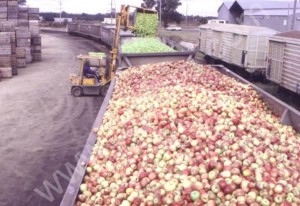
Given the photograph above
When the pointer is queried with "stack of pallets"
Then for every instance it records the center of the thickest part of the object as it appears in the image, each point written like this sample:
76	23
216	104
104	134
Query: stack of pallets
20	40
33	14
21	57
5	55
36	48
3	10
23	18
12	11
23	41
9	28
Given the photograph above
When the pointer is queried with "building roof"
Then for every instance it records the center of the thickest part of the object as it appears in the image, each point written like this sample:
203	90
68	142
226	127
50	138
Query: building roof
260	4
228	4
240	29
270	12
264	4
290	34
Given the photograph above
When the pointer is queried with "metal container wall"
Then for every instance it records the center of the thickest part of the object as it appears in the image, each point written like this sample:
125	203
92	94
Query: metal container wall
72	28
84	29
107	34
284	62
244	46
96	31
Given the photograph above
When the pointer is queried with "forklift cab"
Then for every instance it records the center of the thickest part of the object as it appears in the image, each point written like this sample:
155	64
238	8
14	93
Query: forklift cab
89	85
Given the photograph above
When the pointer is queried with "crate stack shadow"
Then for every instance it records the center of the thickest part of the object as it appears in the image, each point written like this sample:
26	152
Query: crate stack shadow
20	39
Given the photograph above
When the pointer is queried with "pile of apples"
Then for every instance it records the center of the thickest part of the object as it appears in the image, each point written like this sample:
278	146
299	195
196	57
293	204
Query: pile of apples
145	45
180	133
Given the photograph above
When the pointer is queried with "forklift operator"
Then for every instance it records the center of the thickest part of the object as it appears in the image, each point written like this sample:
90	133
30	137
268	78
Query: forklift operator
88	72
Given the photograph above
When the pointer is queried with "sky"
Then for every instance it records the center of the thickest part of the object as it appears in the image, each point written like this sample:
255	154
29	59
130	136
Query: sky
191	7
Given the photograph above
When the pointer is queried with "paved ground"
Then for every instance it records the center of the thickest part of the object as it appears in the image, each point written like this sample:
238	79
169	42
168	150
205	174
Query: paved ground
42	127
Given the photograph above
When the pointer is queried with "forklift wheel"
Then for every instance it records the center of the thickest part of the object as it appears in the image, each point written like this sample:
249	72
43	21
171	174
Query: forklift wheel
103	90
77	91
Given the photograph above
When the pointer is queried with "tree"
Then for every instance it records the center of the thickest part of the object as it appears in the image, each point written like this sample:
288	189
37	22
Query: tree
22	2
149	3
176	16
168	9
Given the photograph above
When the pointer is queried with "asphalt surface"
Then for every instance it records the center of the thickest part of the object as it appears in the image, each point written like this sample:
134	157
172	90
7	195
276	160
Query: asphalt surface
42	126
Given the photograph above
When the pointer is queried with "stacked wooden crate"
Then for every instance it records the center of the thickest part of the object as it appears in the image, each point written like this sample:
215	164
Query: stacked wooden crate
23	17
12	11
34	28
5	55
23	49
21	57
20	40
9	28
3	9
36	48
33	14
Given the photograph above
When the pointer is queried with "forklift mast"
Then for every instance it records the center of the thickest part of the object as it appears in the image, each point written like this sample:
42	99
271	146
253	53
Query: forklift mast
122	22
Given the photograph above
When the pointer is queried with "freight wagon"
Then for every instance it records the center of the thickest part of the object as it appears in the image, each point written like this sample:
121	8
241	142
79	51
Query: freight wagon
103	33
284	60
136	59
289	116
240	45
73	28
106	34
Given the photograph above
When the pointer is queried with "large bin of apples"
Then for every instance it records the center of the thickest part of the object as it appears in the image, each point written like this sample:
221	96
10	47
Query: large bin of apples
180	133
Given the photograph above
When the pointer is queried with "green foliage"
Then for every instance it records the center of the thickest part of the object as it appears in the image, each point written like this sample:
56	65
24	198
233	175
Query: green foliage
203	20
175	16
146	25
49	16
150	3
145	45
97	54
22	2
168	9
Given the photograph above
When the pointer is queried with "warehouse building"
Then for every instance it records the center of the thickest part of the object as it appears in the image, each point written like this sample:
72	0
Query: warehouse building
277	15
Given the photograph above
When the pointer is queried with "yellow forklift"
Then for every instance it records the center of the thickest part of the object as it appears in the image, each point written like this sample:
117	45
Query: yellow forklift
106	66
89	85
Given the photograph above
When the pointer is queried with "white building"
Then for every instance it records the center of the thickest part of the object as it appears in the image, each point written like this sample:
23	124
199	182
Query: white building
61	20
277	15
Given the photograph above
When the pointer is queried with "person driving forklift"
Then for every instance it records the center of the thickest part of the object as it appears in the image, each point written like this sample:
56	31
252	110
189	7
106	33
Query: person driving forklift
88	72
